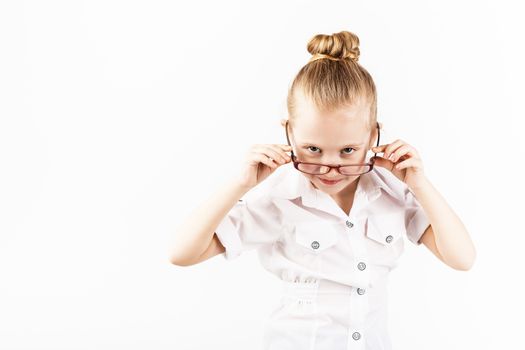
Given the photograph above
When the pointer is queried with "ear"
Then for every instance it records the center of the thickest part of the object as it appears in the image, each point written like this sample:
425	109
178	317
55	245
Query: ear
373	138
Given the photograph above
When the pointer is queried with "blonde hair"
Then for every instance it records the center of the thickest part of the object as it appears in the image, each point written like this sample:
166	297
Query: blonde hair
333	78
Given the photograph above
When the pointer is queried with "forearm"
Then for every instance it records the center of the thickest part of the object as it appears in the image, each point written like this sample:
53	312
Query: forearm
452	239
194	235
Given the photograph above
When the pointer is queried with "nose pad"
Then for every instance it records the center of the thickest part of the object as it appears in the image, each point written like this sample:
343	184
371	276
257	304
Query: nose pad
334	172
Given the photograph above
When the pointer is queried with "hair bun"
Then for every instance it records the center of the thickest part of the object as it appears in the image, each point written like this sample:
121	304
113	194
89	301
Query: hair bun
336	47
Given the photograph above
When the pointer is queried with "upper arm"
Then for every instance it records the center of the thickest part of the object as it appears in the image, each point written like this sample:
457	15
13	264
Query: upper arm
251	224
214	248
428	239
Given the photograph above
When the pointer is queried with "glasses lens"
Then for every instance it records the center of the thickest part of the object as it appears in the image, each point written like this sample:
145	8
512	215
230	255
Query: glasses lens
354	169
315	169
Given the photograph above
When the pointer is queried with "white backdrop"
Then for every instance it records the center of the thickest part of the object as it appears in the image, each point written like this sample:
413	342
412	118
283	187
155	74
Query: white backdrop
117	118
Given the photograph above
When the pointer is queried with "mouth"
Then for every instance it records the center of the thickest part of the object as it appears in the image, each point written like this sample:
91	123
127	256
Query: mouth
329	182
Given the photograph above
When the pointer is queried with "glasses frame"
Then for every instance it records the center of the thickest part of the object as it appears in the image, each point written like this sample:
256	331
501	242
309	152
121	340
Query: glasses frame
296	163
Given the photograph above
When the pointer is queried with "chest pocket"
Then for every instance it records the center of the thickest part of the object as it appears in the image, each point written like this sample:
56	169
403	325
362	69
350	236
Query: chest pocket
386	229
315	237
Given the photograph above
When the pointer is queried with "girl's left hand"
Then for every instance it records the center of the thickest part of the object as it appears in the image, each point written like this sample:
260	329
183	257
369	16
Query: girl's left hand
402	160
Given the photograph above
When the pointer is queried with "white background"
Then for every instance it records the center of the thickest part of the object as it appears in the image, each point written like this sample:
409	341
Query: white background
120	117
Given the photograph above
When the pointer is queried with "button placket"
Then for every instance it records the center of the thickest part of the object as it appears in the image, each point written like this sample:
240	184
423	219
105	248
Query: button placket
358	299
357	320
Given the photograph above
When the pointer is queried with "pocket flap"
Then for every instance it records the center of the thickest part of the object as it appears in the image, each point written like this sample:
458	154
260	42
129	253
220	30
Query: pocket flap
386	228
315	236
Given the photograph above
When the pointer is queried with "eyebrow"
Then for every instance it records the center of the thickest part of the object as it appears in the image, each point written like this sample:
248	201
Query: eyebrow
344	146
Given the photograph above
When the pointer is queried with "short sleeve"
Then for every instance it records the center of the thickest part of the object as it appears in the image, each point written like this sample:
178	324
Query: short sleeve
250	224
416	221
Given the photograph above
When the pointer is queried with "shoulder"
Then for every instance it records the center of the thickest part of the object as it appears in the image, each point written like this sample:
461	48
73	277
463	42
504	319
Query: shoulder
282	183
383	182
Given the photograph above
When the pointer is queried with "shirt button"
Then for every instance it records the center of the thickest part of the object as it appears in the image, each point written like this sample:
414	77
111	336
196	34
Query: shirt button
360	291
349	224
389	238
356	335
361	266
315	244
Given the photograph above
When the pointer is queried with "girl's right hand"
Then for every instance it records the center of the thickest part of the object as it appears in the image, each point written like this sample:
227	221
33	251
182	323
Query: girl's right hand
257	165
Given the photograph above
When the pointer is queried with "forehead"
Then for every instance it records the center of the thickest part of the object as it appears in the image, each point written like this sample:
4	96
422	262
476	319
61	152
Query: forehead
331	128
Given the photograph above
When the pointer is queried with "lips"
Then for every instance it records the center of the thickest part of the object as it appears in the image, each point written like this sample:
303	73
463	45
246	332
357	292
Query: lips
329	182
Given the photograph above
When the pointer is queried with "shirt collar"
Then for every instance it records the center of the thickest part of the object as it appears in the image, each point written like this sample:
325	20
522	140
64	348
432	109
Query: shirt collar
289	183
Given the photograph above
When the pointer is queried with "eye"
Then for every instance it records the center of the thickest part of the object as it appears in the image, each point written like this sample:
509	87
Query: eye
348	148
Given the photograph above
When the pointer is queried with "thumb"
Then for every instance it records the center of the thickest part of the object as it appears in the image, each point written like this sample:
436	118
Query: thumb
383	162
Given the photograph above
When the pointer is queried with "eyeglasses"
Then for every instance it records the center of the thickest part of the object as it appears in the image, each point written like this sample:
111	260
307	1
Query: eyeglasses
343	169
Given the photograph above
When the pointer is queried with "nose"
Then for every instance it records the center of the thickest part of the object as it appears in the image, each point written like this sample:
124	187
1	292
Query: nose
333	172
333	161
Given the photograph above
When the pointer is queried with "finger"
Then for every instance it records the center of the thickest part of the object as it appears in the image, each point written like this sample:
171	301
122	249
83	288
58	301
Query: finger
405	149
383	148
263	158
281	152
286	148
379	149
386	149
282	157
274	153
391	148
382	162
407	163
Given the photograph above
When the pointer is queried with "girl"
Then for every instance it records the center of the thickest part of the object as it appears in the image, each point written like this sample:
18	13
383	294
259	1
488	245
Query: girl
331	226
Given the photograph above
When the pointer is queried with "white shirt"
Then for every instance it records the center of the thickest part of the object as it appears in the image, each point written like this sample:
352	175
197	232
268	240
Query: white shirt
334	266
